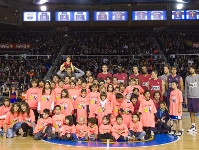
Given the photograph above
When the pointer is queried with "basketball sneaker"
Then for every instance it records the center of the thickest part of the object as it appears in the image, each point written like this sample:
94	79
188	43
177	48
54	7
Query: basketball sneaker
172	132
192	129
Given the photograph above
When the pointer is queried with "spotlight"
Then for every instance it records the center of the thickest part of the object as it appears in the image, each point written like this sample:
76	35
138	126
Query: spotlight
179	6
43	8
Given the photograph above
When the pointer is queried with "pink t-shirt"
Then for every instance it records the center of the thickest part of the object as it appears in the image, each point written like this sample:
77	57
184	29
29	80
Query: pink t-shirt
32	97
148	110
176	100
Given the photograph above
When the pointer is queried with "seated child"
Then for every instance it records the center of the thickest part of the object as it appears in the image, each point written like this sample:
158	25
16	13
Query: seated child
119	129
3	111
136	129
68	130
162	116
105	129
13	121
44	126
92	129
57	122
81	130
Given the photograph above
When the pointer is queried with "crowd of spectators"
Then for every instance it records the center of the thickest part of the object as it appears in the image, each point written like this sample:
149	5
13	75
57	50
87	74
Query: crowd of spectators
137	48
173	43
18	70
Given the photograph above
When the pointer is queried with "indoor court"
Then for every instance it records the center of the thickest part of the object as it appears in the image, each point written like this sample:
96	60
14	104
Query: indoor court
186	142
73	72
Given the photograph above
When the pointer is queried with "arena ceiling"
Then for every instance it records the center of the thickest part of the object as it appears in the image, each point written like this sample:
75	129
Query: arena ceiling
90	2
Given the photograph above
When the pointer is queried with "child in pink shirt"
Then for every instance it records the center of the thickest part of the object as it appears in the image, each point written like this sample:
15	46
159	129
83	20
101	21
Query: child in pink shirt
82	106
81	130
105	129
116	104
32	97
73	92
44	126
28	118
147	110
122	89
68	130
92	129
84	86
93	98
129	89
3	111
136	129
57	92
46	99
65	103
103	108
115	82
120	130
110	90
13	121
57	122
176	100
67	83
126	110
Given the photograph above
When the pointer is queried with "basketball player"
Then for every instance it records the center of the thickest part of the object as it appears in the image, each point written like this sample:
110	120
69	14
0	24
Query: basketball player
104	73
135	73
173	77
192	95
122	77
164	77
156	84
144	78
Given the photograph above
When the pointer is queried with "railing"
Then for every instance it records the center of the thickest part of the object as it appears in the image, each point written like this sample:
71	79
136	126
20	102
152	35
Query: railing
134	57
184	55
24	56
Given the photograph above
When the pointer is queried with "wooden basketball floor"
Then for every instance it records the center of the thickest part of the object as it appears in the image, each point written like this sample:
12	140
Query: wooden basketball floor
186	142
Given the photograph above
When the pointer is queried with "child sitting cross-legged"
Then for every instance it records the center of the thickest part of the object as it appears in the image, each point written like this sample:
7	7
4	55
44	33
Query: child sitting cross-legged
68	130
92	129
136	129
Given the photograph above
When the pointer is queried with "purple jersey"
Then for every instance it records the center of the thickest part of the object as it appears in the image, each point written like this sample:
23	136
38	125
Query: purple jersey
80	16
157	15
170	79
102	16
64	17
44	17
141	15
118	16
192	14
178	14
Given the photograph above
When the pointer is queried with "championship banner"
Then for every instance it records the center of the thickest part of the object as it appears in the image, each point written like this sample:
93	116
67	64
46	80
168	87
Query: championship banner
195	45
15	46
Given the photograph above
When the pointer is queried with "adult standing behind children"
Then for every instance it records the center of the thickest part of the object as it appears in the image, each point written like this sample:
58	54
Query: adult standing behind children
192	95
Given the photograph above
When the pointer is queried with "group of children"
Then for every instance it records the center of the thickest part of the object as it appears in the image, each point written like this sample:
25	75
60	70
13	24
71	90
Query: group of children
81	111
